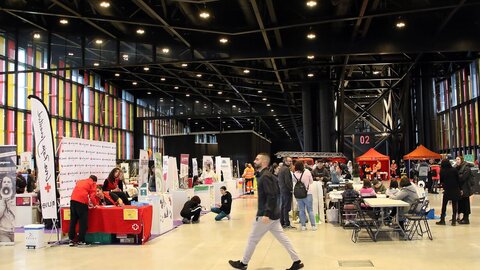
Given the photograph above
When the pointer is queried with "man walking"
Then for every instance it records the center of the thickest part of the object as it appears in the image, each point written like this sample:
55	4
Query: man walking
285	183
268	215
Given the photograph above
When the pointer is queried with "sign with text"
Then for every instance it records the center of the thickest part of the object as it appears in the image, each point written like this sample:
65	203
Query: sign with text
8	165
194	167
45	157
80	158
184	165
363	142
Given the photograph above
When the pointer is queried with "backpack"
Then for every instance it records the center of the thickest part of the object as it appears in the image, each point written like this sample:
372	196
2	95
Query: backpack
299	190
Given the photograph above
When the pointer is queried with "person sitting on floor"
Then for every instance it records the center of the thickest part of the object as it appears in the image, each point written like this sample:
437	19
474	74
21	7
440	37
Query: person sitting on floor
225	207
191	210
393	189
379	187
367	190
108	198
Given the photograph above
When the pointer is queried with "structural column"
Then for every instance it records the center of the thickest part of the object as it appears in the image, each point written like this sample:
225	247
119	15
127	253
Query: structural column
326	127
307	118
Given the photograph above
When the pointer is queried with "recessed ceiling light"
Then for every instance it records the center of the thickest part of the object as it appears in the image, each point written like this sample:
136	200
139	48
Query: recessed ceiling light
134	83
162	79
203	127
228	126
223	122
376	72
146	68
311	4
234	106
268	105
228	100
70	54
105	4
176	87
149	93
117	74
204	14
165	50
223	40
264	98
259	91
400	24
36	36
98	41
246	71
272	110
311	57
310	75
63	21
187	95
220	92
140	31
184	65
210	85
311	35
196	101
199	75
96	64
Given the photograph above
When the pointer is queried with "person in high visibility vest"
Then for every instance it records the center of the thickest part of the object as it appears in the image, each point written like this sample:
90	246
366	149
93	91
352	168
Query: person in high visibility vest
249	174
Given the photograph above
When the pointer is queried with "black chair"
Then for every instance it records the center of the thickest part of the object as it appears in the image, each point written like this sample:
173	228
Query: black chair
348	211
364	221
416	220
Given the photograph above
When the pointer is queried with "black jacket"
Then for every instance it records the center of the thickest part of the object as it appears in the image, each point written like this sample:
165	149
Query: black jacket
30	183
189	207
451	183
285	181
226	203
466	179
268	195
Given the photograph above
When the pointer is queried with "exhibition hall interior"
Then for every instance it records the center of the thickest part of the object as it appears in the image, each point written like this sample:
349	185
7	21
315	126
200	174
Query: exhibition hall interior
239	134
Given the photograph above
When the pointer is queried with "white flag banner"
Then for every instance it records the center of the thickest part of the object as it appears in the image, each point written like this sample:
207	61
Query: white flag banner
159	186
194	167
218	166
45	157
143	168
227	169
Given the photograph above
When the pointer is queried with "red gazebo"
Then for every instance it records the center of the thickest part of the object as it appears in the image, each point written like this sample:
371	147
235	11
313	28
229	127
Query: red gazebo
372	156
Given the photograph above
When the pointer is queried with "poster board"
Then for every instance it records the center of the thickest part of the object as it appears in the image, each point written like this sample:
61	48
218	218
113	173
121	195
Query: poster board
26	161
80	158
159	186
8	165
125	167
226	167
143	175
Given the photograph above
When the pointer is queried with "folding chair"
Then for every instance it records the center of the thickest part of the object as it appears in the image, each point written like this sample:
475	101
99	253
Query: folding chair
416	221
364	221
348	211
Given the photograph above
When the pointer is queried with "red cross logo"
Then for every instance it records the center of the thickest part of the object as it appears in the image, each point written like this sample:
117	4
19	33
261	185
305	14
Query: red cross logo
48	187
135	227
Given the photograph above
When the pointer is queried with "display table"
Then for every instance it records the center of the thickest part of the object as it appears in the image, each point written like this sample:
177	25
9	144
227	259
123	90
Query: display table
115	220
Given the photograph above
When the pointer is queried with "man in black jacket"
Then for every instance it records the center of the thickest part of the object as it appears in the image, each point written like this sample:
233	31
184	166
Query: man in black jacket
225	207
268	215
286	188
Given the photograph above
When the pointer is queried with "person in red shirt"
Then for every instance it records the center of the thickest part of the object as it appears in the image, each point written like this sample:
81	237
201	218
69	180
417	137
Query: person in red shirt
108	198
83	195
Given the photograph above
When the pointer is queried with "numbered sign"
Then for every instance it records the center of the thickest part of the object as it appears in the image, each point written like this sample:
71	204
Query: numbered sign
363	142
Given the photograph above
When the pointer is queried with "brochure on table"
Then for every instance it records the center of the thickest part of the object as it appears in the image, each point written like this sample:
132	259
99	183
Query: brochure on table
80	158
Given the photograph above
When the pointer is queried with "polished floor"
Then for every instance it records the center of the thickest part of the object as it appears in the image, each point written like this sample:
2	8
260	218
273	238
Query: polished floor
210	244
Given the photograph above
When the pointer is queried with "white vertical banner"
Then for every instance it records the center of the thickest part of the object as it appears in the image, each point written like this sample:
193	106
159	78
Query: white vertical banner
8	165
166	213
207	161
218	167
159	186
142	175
173	183
165	174
194	167
184	165
25	161
45	157
125	167
227	169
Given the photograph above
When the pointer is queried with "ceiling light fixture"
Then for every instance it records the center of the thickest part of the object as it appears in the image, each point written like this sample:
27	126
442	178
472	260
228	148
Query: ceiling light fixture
259	91
96	64
311	4
117	74
199	75
176	87
220	92
264	99
70	54
165	50
272	110
162	79
210	85
234	106
268	105
184	65
134	83
228	100
187	95
98	41
246	71
310	75
146	68
140	31
376	72
149	93
196	101
400	24
204	14
36	36
311	35
223	40
105	4
311	57
63	21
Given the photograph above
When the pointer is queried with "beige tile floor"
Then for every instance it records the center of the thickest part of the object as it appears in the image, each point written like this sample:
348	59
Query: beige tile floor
210	244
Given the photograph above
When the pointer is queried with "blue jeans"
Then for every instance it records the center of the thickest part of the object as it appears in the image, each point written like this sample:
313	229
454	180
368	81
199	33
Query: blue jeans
220	213
308	203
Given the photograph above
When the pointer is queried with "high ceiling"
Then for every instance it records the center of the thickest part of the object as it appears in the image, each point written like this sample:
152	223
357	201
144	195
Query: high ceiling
255	79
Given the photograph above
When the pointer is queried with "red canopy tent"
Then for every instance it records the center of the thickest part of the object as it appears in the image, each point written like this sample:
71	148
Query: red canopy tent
371	157
421	152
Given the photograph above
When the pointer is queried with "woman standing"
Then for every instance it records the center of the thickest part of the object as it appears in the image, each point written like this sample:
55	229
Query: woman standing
466	180
305	176
451	190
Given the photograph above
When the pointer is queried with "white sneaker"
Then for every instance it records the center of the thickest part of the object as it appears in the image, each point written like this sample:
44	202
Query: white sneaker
314	228
304	228
228	217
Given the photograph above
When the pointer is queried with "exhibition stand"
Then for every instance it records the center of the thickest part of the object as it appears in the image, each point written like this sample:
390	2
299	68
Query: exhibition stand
26	209
127	220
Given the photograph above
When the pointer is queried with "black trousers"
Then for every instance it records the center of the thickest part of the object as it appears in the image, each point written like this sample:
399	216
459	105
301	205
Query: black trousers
444	207
78	213
122	195
464	206
286	198
194	215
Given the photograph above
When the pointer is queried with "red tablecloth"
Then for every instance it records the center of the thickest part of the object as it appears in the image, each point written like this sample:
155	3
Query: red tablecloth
111	220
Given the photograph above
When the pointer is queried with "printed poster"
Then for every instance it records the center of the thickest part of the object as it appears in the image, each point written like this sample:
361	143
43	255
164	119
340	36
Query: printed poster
194	167
159	186
8	166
